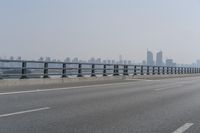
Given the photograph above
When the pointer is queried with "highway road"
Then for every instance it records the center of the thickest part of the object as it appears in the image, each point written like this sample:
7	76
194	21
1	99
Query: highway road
132	106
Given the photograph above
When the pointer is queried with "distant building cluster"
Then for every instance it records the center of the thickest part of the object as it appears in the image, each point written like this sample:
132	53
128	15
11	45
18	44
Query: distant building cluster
150	61
159	60
99	61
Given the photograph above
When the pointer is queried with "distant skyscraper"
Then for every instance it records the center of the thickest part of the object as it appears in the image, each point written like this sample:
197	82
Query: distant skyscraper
75	60
150	61
120	59
104	61
92	60
67	59
19	58
48	59
159	59
144	62
109	61
129	62
98	60
113	62
198	63
170	63
41	59
11	58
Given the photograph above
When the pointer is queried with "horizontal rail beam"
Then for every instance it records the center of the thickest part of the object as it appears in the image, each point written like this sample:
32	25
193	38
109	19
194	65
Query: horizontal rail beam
37	69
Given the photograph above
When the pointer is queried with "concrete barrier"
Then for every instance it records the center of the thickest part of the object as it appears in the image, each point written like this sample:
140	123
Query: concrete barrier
54	81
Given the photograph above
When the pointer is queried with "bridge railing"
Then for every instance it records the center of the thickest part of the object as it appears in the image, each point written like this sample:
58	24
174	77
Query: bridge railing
43	69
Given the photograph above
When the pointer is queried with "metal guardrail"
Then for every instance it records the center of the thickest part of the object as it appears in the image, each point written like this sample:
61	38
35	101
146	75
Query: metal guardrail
41	69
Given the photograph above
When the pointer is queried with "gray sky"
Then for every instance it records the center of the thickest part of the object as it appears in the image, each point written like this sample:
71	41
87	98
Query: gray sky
100	28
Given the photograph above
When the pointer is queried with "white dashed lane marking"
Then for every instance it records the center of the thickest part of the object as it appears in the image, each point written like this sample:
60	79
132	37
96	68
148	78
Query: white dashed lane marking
185	127
24	112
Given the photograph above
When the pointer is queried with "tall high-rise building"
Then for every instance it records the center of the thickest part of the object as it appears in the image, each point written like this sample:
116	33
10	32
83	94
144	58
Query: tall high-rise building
150	61
159	59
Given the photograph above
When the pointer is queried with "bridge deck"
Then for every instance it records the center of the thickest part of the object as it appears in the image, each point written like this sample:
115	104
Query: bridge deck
136	106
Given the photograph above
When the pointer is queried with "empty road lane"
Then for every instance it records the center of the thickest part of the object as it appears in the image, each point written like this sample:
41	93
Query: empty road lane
143	106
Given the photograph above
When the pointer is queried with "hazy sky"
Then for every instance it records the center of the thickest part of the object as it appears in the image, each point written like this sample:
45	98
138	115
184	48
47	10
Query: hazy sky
100	28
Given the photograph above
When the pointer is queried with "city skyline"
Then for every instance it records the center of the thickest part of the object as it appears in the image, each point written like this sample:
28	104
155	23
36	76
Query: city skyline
150	60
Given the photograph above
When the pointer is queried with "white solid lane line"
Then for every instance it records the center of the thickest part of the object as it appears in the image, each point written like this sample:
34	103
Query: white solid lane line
24	112
168	87
67	88
185	127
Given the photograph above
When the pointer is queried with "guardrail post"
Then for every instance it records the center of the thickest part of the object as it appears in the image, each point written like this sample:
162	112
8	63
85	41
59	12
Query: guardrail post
148	70
64	73
179	70
175	68
135	70
46	70
158	70
172	70
167	70
1	76
153	70
24	70
125	70
163	71
93	71
104	70
80	70
116	70
141	70
184	70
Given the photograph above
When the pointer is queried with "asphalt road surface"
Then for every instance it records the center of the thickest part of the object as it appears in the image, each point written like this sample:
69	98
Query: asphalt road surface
143	106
